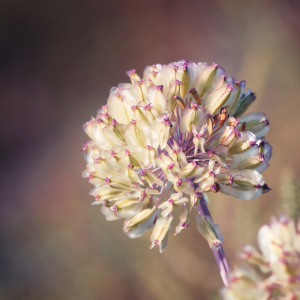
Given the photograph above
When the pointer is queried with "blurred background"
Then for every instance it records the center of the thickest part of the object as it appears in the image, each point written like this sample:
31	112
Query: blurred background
58	60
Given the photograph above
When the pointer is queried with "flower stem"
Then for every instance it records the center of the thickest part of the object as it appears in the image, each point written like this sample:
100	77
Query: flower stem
217	251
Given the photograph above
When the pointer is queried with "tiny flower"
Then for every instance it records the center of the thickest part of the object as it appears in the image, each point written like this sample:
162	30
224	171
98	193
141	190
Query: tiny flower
210	231
160	233
184	221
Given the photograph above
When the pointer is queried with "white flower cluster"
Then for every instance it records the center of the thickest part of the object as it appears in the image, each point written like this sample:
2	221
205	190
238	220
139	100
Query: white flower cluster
279	265
164	140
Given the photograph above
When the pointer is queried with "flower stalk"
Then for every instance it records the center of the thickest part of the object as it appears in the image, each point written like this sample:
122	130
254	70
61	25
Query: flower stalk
218	250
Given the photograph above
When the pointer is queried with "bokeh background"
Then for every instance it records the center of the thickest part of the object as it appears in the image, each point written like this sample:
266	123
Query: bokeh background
58	60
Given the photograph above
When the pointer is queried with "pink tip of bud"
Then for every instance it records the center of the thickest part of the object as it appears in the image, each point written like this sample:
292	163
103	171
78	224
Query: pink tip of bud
143	172
97	160
258	186
131	72
178	82
97	197
170	166
251	144
107	180
167	121
176	151
174	98
198	195
134	107
129	166
171	201
192	90
114	208
159	87
215	187
149	147
217	243
127	152
237	133
198	135
140	82
99	120
118	94
194	163
231	179
147	107
91	175
175	67
84	147
210	153
114	122
211	174
156	242
178	182
194	105
106	115
267	122
184	224
229	86
237	82
261	158
133	122
143	195
113	153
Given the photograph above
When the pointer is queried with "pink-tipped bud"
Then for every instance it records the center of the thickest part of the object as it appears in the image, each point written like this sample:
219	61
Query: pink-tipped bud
143	172
107	180
160	87
84	147
178	183
194	105
143	195
170	166
133	121
113	153
184	224
114	208
127	152
97	160
130	166
113	122
149	147
171	201
147	107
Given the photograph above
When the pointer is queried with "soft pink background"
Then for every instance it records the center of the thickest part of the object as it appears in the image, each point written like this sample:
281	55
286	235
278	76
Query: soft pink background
58	60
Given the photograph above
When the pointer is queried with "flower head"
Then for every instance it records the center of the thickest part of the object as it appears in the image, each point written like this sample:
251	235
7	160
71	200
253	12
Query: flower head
177	132
279	243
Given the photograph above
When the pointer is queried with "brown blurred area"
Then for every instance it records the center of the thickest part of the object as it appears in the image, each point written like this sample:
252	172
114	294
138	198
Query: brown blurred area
58	60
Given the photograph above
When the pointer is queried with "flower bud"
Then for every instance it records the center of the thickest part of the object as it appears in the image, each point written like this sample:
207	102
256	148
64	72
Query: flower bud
194	115
210	231
160	233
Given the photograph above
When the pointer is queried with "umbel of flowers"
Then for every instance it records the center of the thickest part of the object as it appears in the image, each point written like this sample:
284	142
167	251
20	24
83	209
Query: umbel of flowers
278	265
164	140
